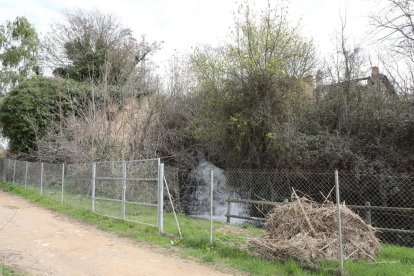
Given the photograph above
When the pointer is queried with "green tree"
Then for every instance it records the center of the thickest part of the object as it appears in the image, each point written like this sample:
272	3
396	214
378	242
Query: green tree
251	88
35	104
19	47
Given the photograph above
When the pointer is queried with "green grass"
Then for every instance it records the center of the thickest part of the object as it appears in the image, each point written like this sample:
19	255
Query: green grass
228	248
6	270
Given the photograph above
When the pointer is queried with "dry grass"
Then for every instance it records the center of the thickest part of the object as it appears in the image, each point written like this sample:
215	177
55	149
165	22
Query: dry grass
306	231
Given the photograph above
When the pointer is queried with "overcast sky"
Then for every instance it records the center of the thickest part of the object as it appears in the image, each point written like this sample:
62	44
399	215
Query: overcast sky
182	24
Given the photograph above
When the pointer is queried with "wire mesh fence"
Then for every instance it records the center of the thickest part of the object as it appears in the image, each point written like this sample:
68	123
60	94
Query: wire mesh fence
126	190
194	204
34	175
108	188
52	180
141	191
231	206
77	188
384	201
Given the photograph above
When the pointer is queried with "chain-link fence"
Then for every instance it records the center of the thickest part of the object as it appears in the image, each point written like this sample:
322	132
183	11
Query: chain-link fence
385	201
193	204
251	193
77	187
209	204
128	190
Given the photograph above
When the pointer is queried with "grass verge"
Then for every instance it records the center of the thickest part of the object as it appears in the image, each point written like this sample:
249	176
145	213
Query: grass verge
6	270
228	248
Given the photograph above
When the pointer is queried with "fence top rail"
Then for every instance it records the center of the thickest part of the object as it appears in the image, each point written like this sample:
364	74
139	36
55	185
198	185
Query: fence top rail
377	229
269	171
108	162
320	172
142	160
381	208
127	178
126	161
361	207
384	175
250	201
77	164
404	175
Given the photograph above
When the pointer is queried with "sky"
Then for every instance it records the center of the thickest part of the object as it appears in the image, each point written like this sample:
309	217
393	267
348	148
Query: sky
183	24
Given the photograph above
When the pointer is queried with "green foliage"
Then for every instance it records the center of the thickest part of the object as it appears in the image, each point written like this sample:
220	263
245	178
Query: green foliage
359	128
19	45
33	105
87	59
27	111
6	270
38	106
250	88
254	105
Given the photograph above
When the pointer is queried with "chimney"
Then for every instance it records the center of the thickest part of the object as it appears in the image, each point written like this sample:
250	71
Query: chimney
374	71
319	78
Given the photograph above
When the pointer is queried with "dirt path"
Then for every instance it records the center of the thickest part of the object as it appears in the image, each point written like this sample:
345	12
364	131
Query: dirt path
45	243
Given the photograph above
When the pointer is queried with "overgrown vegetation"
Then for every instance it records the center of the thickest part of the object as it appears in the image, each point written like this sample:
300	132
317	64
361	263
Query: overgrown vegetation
264	99
255	105
261	100
31	107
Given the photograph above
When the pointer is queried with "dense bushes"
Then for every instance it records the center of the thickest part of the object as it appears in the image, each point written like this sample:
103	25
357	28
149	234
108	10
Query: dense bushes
26	112
302	132
248	108
251	103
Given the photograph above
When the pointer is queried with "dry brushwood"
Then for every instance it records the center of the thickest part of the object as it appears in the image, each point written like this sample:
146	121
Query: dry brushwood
306	231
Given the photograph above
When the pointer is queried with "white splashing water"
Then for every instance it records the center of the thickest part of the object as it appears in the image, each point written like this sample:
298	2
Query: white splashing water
200	200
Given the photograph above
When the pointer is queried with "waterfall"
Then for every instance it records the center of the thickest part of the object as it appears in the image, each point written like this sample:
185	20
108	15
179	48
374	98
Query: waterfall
199	200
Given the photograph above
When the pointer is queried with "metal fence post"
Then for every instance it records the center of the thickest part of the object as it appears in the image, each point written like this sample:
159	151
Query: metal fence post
368	212
158	191
14	171
172	207
228	210
211	204
124	176
4	169
63	183
41	178
160	208
25	175
338	208
93	185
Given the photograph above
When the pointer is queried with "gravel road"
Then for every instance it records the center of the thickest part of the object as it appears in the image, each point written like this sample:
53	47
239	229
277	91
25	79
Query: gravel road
42	242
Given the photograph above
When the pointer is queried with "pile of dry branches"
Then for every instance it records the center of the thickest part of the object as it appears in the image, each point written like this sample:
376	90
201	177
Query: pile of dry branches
306	231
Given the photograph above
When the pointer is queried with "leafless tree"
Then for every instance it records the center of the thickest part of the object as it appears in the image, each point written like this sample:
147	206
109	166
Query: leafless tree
395	26
111	132
107	121
394	29
92	45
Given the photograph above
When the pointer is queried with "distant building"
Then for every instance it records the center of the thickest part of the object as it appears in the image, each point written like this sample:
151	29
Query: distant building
377	84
